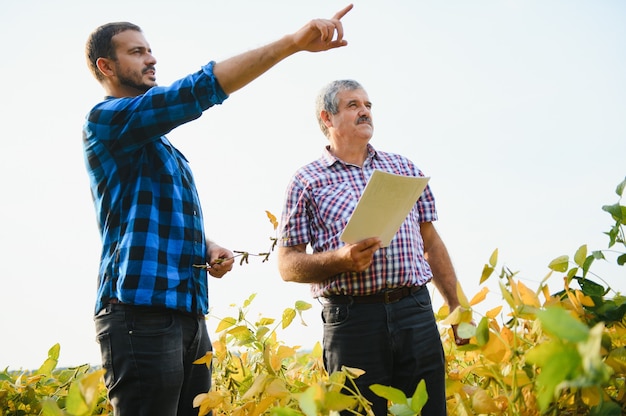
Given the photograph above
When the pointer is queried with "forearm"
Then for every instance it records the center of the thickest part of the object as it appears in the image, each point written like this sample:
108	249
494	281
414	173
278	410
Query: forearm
301	267
444	276
238	71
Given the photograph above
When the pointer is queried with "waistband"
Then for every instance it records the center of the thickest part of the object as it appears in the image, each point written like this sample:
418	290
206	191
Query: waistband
115	304
386	296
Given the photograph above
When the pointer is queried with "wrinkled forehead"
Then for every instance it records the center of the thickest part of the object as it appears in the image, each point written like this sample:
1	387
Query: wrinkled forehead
358	95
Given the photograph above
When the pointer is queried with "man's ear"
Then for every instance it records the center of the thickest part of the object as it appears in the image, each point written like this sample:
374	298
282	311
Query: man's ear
105	66
325	116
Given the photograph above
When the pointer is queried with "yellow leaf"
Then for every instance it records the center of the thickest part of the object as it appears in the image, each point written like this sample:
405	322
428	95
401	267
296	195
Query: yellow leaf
480	296
495	350
317	350
288	315
207	401
277	389
590	396
583	299
527	296
256	388
519	377
483	403
206	359
90	386
219	349
262	406
492	313
546	292
514	292
272	219
354	372
462	298
225	323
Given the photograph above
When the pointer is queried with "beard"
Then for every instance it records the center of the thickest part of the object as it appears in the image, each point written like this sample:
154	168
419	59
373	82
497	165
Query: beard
134	79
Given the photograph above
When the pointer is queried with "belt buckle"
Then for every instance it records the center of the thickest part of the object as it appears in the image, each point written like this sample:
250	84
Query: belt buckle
386	298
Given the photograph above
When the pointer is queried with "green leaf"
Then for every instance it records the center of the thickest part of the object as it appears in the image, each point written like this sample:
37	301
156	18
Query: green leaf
420	397
587	264
591	288
606	409
248	301
493	260
507	295
482	332
558	322
620	188
559	264
557	362
487	272
241	332
617	211
50	408
284	411
392	394
466	330
334	400
401	410
51	362
306	400
581	255
302	305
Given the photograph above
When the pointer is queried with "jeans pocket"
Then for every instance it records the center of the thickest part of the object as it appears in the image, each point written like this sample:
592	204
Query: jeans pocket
104	340
335	314
151	324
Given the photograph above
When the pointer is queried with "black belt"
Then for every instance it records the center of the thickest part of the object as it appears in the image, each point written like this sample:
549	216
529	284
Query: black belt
387	296
114	303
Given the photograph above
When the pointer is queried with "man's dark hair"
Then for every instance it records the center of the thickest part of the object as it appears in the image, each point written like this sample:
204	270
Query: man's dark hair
100	44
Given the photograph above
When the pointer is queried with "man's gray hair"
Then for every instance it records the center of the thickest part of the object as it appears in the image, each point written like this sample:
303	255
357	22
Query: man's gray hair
327	99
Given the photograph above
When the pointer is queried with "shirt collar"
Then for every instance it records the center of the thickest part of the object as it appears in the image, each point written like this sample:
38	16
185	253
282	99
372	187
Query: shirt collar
329	159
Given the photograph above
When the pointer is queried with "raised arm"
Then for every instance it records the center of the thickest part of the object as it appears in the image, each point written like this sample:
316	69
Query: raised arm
316	36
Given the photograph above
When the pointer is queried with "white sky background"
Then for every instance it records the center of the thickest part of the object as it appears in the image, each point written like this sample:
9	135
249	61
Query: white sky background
516	109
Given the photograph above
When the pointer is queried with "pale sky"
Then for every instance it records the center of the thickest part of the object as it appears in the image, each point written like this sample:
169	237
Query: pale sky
515	109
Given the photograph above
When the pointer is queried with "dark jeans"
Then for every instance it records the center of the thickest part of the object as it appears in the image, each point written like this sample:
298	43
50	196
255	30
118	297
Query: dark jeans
396	344
148	354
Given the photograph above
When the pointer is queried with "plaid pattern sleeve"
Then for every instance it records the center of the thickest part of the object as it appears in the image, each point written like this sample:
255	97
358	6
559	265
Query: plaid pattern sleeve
318	204
146	202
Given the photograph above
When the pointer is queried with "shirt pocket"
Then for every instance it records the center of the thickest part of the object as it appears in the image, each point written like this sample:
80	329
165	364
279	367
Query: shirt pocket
335	204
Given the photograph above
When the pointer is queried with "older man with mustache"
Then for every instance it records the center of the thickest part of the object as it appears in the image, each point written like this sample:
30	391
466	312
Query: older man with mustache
377	312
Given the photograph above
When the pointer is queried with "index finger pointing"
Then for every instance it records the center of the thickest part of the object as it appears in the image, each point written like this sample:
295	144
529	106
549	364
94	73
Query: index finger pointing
342	12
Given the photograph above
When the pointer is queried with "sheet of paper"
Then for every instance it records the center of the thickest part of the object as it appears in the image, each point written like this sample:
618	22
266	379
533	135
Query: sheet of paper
384	205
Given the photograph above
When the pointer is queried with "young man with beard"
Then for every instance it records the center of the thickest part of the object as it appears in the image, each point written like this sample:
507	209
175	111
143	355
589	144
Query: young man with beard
152	296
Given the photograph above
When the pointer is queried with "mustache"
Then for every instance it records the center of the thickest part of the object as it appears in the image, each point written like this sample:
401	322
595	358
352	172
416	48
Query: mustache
365	119
148	68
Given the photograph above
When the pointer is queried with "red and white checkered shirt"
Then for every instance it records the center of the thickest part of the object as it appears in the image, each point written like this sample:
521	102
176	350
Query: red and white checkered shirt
318	203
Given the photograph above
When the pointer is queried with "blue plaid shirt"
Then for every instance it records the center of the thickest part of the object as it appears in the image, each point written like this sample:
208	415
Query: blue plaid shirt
319	201
146	202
